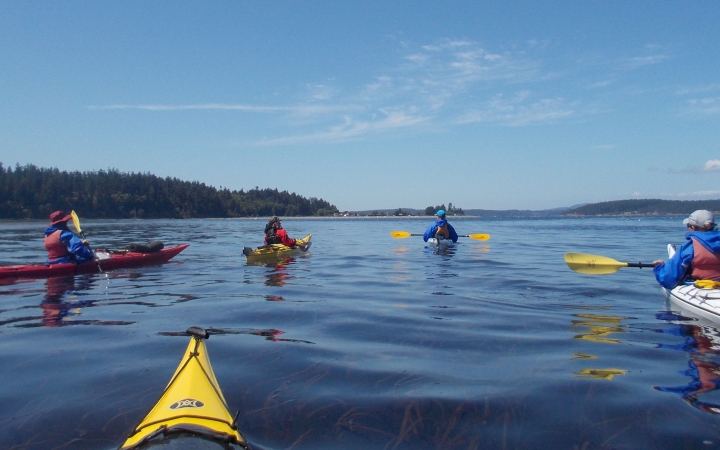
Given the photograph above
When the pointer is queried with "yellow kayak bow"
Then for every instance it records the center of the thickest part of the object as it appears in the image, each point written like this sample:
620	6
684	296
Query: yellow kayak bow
192	402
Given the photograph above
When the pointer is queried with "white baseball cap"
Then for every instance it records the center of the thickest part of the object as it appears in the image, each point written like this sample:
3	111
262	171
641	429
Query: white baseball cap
700	218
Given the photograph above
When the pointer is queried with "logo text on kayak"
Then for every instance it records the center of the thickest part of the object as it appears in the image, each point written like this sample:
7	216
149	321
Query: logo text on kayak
187	403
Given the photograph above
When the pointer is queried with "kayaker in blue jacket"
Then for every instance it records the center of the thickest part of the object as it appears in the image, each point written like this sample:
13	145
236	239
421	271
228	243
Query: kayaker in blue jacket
441	229
698	258
62	244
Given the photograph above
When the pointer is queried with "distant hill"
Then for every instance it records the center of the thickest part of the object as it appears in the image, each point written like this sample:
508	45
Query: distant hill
645	207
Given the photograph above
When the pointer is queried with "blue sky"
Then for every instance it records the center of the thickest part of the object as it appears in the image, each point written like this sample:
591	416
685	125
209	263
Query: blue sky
373	104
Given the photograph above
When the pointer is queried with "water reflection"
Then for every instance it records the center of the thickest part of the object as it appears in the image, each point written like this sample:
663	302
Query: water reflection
270	334
479	249
442	250
400	272
62	304
702	344
278	273
596	328
401	251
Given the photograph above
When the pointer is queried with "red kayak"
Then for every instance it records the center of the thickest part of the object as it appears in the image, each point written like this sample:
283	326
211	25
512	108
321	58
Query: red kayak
107	261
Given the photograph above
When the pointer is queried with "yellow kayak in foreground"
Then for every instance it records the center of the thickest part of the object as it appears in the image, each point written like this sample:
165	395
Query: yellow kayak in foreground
278	250
192	403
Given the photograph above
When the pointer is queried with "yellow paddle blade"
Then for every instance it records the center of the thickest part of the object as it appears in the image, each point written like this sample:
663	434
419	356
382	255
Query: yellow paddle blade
592	264
479	237
76	221
400	234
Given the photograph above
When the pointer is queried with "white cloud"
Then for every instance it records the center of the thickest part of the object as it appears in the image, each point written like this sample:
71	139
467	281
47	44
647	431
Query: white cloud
203	106
642	61
350	129
321	92
520	110
712	165
698	89
442	82
705	106
601	84
305	109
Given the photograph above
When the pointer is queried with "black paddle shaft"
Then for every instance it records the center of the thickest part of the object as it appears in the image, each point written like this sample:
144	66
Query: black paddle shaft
640	265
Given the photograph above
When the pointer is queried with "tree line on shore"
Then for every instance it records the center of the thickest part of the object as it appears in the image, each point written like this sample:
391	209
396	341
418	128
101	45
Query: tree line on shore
30	192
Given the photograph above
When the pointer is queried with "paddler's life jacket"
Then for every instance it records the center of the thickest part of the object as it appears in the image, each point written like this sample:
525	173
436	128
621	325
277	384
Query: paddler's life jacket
443	231
705	264
271	237
55	247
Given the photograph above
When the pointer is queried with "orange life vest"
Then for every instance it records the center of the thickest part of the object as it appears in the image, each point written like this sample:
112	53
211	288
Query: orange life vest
705	264
443	231
55	247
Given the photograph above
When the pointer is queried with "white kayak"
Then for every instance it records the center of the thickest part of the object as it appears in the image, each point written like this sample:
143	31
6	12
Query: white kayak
442	243
699	301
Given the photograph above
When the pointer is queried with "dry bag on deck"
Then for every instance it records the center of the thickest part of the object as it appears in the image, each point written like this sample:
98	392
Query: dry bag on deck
150	247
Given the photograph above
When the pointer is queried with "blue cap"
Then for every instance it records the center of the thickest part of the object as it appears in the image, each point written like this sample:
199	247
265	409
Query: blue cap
440	213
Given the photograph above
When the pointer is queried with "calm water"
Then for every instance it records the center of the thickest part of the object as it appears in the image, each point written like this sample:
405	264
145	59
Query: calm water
369	342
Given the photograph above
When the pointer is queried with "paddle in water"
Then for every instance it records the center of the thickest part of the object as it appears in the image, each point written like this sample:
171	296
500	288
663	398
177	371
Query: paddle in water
597	265
404	234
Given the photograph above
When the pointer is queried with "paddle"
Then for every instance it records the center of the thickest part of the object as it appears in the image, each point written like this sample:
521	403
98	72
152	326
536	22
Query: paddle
597	265
76	222
404	234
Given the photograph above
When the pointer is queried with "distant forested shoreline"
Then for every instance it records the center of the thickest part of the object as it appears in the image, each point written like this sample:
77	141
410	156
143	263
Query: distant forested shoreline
30	192
646	207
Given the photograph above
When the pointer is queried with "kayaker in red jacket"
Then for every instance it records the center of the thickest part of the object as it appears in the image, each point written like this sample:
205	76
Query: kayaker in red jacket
62	244
275	234
698	258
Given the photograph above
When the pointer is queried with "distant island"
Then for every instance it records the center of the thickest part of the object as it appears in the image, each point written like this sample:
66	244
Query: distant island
29	192
646	207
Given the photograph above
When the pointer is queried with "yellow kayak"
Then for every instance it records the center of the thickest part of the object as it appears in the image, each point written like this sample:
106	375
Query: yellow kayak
278	250
192	403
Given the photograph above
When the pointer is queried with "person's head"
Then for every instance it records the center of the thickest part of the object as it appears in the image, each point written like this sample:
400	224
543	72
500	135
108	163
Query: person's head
275	222
59	217
440	214
700	220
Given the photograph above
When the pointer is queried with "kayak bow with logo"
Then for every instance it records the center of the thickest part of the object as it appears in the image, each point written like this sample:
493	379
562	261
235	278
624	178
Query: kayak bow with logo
192	403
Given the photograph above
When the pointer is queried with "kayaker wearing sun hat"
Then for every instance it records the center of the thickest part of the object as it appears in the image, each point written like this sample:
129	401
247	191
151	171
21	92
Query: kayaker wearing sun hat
62	244
275	234
441	229
698	258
